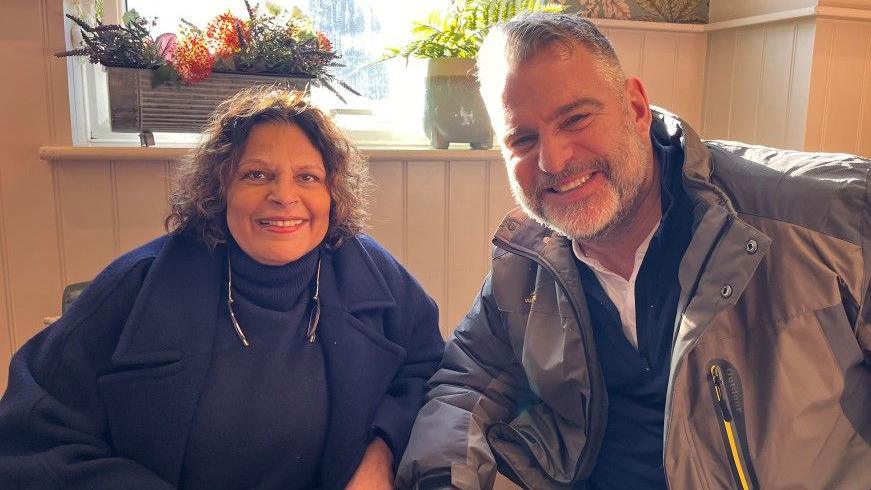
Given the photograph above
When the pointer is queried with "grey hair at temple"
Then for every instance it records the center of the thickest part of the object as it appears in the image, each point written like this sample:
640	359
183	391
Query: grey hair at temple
522	37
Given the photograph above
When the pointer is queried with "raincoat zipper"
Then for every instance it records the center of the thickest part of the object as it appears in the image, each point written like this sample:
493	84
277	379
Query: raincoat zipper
731	428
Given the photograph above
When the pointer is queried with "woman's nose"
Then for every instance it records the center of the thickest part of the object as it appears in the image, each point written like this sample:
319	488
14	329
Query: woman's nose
283	192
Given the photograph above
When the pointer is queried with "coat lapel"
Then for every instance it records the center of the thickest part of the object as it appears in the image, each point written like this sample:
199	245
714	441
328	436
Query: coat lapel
162	357
360	361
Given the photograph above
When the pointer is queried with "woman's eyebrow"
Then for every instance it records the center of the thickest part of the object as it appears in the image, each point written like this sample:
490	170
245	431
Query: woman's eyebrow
311	166
251	160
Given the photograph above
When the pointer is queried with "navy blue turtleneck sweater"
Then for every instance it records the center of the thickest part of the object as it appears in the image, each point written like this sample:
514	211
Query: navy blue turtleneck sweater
280	378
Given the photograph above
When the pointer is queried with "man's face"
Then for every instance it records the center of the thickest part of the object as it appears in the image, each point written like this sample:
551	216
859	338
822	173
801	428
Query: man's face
575	143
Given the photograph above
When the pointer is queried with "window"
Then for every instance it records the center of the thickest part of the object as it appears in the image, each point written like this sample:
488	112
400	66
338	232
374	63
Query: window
388	112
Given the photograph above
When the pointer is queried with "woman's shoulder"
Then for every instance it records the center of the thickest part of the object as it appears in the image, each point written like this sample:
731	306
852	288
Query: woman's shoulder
93	321
373	247
122	277
146	252
135	263
399	280
381	258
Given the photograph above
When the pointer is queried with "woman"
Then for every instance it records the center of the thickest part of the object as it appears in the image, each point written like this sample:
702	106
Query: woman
262	343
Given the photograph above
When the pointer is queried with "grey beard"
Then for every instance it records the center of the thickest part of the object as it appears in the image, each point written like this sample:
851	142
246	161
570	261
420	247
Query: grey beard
536	211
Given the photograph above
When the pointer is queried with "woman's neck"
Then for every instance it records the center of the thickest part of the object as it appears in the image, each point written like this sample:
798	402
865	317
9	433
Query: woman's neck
272	287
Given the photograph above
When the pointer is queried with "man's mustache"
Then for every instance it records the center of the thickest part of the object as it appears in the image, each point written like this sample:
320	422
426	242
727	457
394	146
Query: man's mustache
545	181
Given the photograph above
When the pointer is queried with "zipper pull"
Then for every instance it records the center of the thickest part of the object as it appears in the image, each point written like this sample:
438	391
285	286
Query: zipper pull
718	389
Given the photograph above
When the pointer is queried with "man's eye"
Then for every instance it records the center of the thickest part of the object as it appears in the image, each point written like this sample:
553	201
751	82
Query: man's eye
575	120
523	142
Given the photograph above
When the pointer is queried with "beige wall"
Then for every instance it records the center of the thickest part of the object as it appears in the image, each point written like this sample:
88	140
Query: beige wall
33	97
839	108
853	4
756	83
721	10
671	64
796	83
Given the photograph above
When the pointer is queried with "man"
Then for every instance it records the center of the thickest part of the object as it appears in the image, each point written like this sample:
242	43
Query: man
660	312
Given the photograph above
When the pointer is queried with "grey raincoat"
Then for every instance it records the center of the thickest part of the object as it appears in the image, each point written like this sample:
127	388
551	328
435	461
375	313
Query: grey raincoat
770	380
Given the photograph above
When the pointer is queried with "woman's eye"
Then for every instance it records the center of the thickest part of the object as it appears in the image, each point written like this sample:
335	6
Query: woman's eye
255	175
309	178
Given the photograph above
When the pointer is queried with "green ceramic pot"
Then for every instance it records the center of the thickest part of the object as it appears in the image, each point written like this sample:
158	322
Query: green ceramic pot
454	111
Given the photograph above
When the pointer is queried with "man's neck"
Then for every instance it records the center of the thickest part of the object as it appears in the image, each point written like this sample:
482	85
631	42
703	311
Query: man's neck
616	251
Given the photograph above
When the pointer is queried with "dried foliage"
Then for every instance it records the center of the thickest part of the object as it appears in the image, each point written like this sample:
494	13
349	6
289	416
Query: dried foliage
128	45
272	41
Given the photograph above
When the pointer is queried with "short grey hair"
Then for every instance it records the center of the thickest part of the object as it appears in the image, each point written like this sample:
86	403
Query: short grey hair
521	38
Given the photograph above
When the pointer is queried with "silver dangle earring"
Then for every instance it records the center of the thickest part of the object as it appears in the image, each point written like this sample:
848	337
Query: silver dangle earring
236	326
311	332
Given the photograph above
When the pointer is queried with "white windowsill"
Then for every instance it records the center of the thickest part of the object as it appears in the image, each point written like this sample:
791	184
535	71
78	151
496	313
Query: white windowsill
121	153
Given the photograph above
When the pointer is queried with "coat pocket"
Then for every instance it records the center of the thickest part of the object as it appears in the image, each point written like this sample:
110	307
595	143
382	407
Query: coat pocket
728	397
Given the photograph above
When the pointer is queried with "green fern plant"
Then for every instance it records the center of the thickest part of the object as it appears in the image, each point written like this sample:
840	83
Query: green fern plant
458	31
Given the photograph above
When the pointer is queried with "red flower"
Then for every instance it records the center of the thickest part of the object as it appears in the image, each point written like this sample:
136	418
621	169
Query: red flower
222	34
324	42
192	59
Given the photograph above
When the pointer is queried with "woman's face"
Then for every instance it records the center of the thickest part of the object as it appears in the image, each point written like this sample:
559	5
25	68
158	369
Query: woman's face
278	203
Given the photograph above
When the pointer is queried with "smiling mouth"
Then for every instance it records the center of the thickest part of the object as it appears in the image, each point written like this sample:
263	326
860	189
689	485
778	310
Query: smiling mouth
572	184
281	223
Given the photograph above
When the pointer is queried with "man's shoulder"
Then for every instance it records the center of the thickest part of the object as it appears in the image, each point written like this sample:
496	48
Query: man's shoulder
805	164
802	188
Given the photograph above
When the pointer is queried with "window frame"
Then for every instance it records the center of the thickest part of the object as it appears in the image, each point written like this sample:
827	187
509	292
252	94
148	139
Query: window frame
89	102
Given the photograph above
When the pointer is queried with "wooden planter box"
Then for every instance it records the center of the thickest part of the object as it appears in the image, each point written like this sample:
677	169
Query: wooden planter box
136	106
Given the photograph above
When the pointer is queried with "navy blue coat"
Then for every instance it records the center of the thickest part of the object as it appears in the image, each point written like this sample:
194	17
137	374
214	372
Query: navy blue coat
105	397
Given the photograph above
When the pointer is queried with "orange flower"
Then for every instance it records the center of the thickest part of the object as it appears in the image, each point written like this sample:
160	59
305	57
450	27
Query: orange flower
222	34
324	42
192	59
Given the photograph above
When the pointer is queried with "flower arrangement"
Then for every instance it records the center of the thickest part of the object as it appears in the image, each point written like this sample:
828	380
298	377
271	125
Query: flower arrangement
272	41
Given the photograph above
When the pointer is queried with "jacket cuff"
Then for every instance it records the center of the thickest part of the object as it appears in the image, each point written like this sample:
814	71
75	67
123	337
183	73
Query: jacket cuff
436	481
393	425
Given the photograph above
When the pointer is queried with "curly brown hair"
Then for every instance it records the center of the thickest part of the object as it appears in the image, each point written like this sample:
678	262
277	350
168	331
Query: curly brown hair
198	200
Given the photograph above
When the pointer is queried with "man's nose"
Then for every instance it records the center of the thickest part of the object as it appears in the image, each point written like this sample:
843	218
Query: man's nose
554	154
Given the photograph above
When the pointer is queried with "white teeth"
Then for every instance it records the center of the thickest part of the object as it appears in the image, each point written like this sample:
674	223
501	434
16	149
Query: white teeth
573	184
282	224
